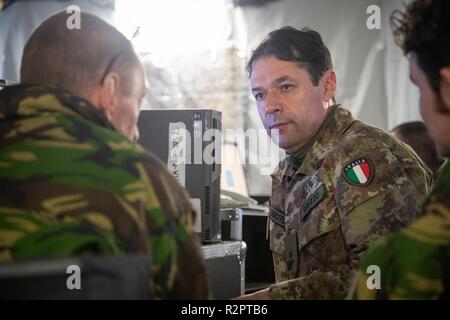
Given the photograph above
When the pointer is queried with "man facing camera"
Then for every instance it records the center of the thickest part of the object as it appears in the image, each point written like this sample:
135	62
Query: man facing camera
343	185
72	181
415	262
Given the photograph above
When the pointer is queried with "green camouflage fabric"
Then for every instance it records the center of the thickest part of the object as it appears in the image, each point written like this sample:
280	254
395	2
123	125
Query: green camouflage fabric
415	262
71	185
320	222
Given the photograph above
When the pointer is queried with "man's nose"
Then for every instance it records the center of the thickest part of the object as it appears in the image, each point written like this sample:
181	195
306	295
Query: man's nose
272	103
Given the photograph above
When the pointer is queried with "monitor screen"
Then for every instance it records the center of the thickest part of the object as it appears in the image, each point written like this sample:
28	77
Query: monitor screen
233	175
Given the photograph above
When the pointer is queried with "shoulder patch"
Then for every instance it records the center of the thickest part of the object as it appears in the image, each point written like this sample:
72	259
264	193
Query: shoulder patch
359	172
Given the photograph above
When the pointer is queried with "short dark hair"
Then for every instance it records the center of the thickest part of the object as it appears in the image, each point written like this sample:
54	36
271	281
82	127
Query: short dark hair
76	59
424	28
302	46
416	135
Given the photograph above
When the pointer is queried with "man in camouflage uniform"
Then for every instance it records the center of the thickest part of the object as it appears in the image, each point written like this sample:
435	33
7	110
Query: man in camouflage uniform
415	263
71	180
343	185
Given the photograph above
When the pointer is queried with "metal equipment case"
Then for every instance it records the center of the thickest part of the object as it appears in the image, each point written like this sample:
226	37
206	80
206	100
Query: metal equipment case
225	266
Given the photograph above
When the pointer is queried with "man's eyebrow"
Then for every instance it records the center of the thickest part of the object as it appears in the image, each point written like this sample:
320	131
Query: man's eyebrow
255	89
275	82
281	79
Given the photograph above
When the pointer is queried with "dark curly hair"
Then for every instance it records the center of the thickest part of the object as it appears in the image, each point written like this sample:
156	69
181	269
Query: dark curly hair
302	46
424	28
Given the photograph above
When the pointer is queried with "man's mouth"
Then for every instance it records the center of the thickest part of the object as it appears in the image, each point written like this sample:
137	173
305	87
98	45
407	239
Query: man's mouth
278	125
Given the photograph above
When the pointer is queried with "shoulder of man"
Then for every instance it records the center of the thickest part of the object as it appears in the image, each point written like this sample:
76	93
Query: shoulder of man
139	175
172	196
412	263
170	217
367	161
152	173
277	173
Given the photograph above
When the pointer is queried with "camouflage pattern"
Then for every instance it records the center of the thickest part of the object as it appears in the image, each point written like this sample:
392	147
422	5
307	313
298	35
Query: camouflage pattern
320	224
414	263
71	185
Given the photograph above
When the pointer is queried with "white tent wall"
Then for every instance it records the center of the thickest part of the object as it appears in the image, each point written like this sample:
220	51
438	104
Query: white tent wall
19	19
402	95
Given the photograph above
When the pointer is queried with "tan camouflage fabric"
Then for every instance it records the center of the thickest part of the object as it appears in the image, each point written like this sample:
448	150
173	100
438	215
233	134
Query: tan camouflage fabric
71	185
321	221
415	262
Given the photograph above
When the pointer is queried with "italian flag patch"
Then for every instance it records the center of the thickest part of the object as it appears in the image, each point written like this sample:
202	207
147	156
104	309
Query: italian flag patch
359	172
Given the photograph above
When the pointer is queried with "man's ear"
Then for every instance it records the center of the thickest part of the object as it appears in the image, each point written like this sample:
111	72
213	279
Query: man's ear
108	95
328	85
445	86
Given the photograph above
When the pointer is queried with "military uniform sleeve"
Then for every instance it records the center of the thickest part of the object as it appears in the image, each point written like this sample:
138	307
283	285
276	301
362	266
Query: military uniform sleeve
358	228
392	200
391	196
414	263
177	255
332	284
191	279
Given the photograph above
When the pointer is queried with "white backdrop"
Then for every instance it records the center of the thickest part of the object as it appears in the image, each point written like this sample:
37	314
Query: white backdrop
402	95
19	19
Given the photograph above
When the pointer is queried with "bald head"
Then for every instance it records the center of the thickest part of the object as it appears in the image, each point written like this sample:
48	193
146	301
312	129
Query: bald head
95	62
77	59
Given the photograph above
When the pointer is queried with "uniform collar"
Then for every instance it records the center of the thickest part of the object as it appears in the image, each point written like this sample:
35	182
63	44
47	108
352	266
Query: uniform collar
339	120
296	159
308	159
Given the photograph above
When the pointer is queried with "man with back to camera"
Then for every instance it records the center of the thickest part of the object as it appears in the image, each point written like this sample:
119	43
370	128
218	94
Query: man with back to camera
415	262
343	185
71	180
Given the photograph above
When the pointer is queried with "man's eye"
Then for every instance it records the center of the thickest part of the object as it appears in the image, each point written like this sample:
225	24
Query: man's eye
259	96
286	87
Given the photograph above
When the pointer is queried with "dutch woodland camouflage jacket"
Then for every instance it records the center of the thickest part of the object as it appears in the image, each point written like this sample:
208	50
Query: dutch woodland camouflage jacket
71	185
414	263
355	184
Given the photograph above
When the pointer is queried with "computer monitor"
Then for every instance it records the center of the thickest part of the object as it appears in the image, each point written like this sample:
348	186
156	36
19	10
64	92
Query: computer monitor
258	266
233	175
188	141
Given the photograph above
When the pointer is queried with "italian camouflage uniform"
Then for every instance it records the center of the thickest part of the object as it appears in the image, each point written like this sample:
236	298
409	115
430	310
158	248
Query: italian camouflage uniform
351	185
415	262
71	185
